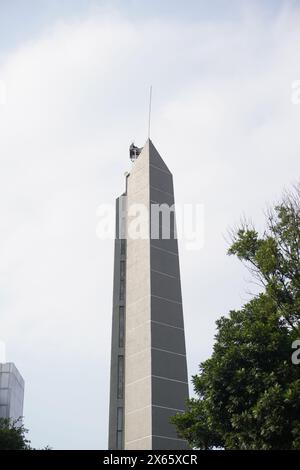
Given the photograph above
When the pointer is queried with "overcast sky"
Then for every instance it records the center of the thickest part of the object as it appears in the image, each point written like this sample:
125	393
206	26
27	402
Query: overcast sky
77	76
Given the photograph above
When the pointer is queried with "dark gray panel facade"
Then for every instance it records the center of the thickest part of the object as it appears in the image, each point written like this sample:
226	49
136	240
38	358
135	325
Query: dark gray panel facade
165	286
164	262
167	338
166	311
169	393
167	245
161	422
169	368
169	365
160	197
161	180
116	407
165	443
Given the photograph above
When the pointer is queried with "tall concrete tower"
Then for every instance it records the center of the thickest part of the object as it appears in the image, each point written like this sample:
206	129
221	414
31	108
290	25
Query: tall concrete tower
148	381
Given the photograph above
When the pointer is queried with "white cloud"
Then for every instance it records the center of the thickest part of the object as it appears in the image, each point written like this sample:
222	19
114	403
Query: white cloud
75	97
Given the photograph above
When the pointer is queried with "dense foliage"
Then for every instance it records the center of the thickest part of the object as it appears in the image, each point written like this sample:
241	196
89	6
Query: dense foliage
13	435
248	392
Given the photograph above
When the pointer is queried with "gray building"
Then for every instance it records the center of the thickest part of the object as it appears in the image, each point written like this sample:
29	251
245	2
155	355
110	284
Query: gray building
11	391
149	380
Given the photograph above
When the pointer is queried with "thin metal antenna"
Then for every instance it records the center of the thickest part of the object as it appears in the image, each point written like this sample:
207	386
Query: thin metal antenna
150	103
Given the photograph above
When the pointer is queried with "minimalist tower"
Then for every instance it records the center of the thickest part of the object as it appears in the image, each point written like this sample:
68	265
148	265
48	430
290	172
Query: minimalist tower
148	381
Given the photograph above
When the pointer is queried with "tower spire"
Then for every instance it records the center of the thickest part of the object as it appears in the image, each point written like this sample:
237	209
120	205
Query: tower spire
149	117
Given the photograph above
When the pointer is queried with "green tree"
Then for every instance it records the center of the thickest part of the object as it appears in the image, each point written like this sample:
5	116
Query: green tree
13	435
247	393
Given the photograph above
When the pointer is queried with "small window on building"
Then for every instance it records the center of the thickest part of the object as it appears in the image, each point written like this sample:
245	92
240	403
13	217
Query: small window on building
119	440
119	418
121	327
122	269
120	376
122	289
